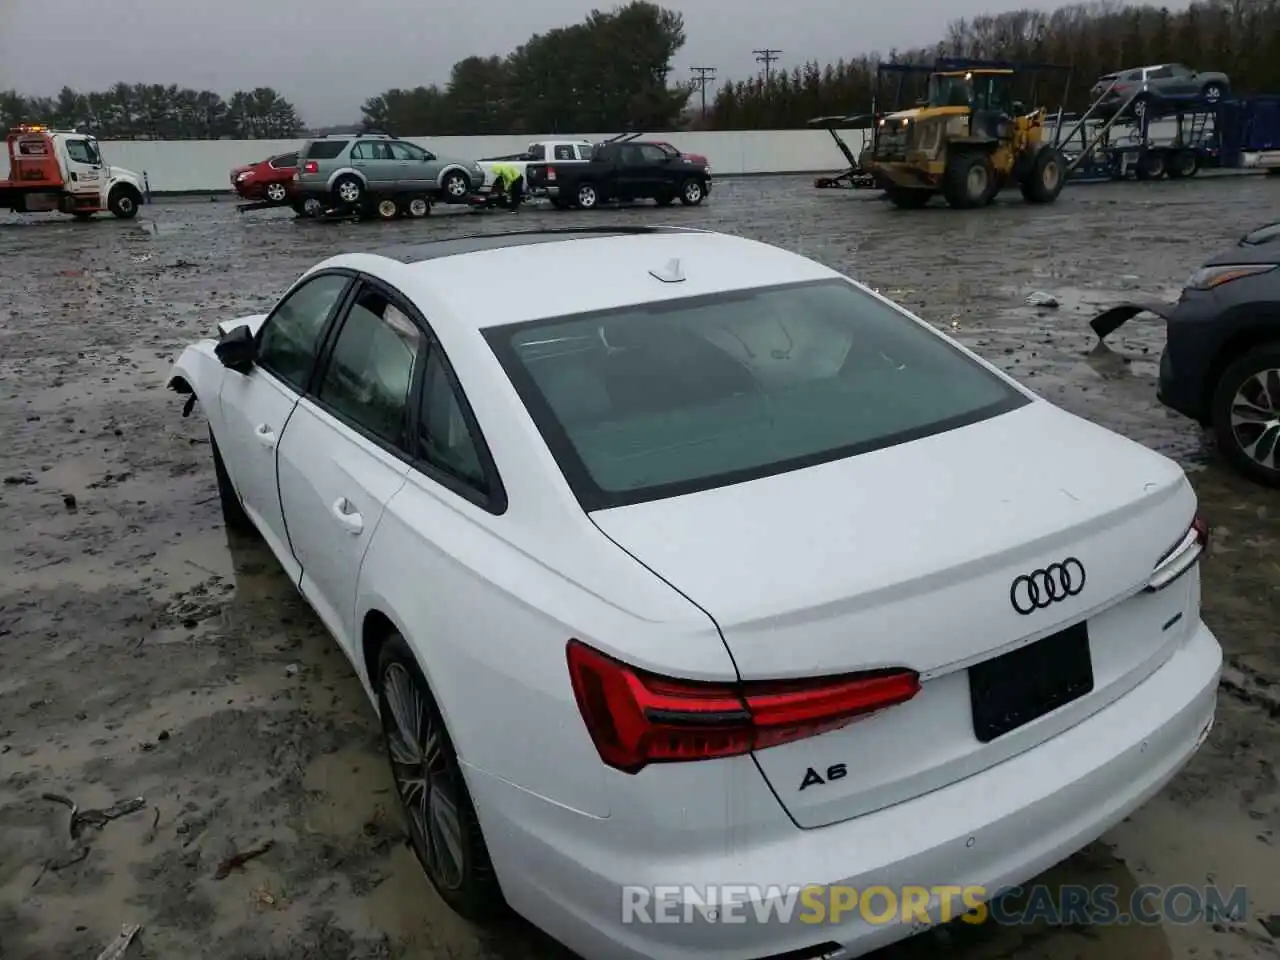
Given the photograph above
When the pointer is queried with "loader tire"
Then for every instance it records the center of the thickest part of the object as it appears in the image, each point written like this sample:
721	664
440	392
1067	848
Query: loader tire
969	181
1046	176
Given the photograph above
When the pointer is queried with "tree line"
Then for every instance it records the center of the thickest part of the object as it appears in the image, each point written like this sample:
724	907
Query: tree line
1238	37
613	71
130	111
608	72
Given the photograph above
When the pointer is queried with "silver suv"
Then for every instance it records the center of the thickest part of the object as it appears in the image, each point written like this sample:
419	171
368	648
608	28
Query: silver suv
348	168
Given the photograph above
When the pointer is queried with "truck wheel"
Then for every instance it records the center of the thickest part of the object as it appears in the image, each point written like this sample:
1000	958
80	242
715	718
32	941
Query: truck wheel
1150	166
691	193
969	180
276	192
1245	414
1184	163
1214	92
124	201
907	198
588	198
456	186
1045	178
387	209
348	190
418	207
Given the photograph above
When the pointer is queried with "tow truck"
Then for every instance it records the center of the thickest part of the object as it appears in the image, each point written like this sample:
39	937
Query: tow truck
63	171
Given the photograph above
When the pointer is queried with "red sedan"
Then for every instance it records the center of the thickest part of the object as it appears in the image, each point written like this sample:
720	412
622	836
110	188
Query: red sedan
270	179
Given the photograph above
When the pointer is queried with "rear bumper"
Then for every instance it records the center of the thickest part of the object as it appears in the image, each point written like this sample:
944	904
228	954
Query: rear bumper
566	872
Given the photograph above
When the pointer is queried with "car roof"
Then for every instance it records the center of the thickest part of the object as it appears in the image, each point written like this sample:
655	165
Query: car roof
493	279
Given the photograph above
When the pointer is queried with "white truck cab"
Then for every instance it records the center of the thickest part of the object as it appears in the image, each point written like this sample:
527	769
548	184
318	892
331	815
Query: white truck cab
55	170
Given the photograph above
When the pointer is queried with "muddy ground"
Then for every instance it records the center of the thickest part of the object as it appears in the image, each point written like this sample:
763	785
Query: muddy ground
144	654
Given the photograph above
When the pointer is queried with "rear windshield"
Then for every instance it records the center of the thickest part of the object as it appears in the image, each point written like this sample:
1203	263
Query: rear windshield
671	398
325	149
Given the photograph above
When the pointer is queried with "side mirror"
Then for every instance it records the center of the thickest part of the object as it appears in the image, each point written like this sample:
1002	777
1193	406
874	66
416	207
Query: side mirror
238	349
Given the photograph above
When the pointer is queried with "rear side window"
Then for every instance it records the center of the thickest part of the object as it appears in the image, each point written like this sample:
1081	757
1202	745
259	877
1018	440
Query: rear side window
536	151
325	149
564	151
284	162
675	397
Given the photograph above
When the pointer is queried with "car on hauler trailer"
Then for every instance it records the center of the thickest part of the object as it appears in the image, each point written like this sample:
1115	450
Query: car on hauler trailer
58	170
633	570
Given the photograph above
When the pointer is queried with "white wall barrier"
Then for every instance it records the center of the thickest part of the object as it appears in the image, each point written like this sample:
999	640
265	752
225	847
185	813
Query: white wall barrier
205	165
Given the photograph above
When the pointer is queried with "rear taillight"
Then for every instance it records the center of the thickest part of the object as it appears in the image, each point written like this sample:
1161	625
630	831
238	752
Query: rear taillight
636	718
311	167
551	173
1184	555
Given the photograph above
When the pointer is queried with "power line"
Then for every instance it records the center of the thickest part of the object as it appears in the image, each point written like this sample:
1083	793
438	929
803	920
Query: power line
703	76
767	56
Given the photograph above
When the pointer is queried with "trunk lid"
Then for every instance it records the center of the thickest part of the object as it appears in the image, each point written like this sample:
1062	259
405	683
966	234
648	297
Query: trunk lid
905	557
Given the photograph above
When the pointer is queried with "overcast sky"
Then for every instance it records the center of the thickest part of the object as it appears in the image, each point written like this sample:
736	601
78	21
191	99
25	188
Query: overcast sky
327	56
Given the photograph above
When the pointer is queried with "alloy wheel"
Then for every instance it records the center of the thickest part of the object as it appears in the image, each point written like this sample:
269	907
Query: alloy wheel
1255	418
348	191
424	776
275	192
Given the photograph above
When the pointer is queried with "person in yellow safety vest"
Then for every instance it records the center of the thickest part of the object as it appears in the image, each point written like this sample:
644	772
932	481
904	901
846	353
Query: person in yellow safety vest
508	183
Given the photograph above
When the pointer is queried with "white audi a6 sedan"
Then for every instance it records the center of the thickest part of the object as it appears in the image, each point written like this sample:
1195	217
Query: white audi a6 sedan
677	563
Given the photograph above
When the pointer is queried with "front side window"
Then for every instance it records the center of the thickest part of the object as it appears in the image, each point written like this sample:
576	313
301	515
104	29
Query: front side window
585	150
289	340
83	151
1160	73
674	397
370	371
407	151
652	154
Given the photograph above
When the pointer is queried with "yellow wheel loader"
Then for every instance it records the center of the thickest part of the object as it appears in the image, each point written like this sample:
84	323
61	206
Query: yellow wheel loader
967	139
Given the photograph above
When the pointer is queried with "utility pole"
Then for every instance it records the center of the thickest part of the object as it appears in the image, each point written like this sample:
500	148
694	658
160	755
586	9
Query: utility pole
766	56
704	75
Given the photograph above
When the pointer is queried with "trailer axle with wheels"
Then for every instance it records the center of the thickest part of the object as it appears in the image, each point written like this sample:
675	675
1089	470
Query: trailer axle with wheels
371	206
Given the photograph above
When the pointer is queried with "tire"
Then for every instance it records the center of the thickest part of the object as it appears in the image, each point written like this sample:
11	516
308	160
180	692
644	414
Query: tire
409	713
1045	177
1252	446
1182	164
388	209
1214	92
233	515
969	180
277	192
418	207
1150	166
692	192
348	190
907	198
124	201
455	186
588	197
1139	107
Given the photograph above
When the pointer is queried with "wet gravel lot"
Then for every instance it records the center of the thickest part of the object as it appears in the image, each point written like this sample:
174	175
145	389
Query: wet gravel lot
143	653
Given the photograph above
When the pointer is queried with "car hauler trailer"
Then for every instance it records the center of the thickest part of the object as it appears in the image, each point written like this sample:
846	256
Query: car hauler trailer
57	170
1174	137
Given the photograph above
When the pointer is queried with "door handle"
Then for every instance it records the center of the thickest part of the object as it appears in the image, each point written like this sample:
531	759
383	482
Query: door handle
266	436
347	515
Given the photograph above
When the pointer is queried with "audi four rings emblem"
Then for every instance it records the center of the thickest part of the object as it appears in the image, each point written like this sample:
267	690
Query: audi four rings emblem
1038	589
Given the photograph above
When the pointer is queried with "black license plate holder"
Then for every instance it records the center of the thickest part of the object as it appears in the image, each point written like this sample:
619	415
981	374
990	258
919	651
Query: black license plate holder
1023	685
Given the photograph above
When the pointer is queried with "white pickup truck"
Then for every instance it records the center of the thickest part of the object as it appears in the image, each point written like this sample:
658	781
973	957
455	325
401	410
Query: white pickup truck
561	151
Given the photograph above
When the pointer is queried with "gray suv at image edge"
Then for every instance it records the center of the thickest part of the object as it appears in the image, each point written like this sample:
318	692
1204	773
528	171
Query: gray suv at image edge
347	168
